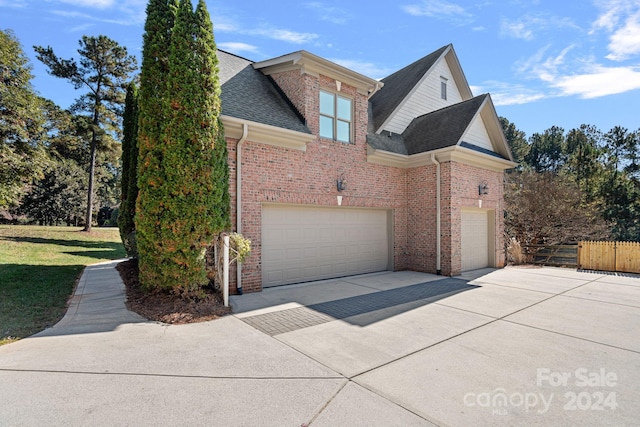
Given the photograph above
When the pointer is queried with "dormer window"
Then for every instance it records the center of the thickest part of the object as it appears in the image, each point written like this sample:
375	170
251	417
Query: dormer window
443	88
336	114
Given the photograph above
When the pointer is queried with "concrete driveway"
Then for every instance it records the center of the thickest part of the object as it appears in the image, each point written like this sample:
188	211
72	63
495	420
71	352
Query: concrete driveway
518	346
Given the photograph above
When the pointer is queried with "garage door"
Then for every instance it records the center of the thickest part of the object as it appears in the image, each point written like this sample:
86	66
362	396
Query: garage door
475	239
301	244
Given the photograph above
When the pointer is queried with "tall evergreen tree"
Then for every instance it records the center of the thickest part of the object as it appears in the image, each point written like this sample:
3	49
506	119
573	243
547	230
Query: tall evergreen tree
151	121
516	139
129	181
103	69
192	189
584	163
22	157
547	151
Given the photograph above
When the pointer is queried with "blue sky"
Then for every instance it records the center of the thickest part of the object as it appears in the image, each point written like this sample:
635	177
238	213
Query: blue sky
560	62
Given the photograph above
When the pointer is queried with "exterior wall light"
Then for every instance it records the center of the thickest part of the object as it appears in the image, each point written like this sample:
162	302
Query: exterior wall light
341	184
483	188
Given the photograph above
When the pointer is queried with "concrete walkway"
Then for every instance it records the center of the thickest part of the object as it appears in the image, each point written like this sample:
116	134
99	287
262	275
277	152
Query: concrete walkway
515	346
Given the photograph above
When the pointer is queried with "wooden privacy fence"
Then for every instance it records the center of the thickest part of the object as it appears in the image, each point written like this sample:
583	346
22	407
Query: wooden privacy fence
553	255
609	256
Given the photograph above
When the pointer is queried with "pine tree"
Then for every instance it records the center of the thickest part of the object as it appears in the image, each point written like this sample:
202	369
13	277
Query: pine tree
103	68
129	183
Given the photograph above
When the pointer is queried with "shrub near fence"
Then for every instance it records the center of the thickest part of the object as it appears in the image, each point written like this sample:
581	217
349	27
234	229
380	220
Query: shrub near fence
609	256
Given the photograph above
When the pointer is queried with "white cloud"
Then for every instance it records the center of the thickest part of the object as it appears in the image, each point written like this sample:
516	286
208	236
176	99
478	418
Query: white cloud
440	9
517	30
227	25
79	28
625	42
284	35
582	76
328	13
621	19
70	14
98	4
508	93
612	12
599	81
526	26
127	12
237	47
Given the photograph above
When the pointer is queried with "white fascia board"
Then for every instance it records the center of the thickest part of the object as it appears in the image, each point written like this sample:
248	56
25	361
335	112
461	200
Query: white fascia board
266	134
494	128
387	158
309	63
449	154
458	74
473	158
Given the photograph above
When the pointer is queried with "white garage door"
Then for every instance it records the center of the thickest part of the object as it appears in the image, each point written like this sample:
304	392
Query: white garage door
475	239
301	244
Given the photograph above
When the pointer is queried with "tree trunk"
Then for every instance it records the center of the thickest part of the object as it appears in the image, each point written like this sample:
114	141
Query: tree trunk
92	168
92	171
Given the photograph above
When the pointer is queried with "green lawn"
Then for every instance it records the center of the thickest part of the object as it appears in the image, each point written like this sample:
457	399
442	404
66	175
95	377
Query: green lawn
39	267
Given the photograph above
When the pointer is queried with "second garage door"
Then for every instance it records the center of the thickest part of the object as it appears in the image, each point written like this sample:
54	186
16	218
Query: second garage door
301	244
475	239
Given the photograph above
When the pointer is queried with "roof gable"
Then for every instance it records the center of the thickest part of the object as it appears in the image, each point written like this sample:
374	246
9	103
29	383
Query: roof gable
441	128
472	124
400	87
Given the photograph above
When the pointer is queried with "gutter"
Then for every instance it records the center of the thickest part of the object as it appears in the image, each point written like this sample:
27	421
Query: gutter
243	138
438	219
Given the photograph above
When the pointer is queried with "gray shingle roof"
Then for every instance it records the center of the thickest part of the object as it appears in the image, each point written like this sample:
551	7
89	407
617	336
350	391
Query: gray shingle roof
398	85
438	129
441	128
248	94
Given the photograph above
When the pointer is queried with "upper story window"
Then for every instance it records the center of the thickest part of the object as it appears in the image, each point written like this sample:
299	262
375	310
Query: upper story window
336	117
443	88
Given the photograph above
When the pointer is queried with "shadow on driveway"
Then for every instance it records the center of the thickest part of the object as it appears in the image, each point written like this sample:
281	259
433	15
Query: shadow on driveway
349	309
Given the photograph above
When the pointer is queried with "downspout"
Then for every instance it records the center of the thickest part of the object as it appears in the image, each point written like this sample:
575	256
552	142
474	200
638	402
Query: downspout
375	89
438	221
243	138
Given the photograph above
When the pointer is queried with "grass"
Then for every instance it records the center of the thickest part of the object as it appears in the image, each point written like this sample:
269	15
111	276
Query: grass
39	267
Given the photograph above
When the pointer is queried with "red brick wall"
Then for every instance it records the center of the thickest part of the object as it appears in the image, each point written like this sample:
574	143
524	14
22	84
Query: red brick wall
460	190
421	242
278	175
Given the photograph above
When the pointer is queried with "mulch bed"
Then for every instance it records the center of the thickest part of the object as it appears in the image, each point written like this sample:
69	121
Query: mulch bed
167	307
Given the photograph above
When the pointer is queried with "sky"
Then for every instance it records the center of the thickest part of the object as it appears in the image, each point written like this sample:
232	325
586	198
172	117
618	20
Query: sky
545	63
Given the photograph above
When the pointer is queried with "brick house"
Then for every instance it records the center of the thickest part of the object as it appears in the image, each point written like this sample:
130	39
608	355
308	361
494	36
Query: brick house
333	173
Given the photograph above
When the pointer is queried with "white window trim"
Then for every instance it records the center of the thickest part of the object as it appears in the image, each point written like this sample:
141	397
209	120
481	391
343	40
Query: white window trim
335	118
443	87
